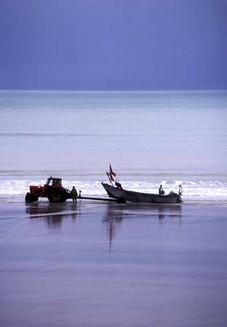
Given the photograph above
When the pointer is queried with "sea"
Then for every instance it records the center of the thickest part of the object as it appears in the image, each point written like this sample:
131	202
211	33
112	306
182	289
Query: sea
149	138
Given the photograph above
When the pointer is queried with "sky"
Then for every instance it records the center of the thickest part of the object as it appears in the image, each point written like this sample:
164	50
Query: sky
113	44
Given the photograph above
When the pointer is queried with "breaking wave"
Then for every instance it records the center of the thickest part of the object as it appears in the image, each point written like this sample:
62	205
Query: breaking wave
193	191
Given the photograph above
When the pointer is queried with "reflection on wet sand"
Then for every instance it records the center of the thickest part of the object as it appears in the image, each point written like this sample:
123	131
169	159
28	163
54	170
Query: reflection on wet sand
169	211
112	213
52	213
131	210
115	213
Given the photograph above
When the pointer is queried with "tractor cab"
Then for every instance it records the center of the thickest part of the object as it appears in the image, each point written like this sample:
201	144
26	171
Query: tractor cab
52	181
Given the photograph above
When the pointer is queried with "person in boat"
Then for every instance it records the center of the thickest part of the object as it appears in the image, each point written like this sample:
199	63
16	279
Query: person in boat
74	194
160	190
180	190
118	185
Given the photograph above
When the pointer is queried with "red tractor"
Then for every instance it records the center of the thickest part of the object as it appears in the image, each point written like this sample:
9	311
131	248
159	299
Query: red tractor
53	190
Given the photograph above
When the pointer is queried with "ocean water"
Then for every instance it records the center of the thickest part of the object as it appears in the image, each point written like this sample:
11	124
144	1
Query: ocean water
148	137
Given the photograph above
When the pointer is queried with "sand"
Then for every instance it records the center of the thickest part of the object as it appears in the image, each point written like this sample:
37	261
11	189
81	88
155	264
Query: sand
99	264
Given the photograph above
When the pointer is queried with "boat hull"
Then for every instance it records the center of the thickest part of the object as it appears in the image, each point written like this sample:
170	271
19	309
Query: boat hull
131	196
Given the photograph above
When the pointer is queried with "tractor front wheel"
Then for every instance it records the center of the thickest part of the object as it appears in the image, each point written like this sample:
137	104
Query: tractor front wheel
29	198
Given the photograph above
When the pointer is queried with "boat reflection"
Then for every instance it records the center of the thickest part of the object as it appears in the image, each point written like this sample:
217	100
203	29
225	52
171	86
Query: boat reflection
115	213
168	211
53	213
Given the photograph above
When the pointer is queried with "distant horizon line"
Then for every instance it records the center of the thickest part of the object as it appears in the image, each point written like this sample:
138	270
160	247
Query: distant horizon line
115	90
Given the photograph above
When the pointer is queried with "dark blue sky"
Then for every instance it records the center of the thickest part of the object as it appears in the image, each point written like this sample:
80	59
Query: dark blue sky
113	44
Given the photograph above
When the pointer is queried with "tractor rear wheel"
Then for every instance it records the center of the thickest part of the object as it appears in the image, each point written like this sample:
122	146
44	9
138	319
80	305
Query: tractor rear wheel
57	196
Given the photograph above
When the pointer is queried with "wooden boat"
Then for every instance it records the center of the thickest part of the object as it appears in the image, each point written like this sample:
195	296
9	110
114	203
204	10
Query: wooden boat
131	196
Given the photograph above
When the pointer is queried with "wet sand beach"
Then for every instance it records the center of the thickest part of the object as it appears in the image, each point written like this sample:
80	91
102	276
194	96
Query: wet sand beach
107	264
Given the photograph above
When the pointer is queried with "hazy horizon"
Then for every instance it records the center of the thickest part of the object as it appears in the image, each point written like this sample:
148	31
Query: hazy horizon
114	90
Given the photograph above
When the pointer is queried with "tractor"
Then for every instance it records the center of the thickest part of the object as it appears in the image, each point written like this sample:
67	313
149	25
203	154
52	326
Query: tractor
53	190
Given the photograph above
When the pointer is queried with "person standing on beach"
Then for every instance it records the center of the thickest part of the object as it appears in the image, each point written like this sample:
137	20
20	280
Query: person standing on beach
161	191
74	194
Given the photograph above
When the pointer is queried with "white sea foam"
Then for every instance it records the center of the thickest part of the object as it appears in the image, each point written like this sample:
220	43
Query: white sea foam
192	190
